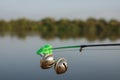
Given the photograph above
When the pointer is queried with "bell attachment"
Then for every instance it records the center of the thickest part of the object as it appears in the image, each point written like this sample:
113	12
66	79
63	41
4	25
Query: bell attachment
61	66
47	61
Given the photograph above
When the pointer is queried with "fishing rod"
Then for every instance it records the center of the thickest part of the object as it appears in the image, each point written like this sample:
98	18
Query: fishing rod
83	46
47	49
60	65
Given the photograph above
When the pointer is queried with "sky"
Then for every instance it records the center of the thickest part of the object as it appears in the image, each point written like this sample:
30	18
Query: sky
71	9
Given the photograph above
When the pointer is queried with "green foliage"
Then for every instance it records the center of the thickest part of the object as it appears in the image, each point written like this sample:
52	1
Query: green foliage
49	28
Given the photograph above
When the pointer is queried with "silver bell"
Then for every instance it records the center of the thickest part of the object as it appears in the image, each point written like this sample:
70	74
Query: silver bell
61	66
47	61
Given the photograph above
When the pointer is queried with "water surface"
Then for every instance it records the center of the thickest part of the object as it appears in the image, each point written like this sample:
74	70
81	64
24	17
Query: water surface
18	60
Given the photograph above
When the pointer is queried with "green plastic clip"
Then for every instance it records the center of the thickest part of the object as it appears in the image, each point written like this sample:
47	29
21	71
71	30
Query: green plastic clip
47	49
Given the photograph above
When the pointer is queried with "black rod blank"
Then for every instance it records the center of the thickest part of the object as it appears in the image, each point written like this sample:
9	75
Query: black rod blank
97	45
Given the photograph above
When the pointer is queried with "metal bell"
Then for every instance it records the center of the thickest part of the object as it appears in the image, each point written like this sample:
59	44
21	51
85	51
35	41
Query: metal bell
47	61
61	66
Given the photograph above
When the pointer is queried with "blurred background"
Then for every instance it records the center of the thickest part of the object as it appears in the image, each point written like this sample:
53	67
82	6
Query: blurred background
95	19
27	25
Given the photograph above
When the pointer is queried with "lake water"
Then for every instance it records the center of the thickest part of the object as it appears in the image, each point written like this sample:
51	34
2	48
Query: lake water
18	60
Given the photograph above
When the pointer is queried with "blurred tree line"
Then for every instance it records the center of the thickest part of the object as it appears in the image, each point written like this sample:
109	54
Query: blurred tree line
49	28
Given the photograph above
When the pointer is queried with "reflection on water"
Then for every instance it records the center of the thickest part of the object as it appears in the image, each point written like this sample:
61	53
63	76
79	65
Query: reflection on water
49	28
19	61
